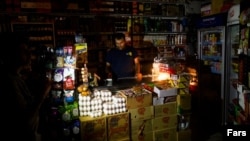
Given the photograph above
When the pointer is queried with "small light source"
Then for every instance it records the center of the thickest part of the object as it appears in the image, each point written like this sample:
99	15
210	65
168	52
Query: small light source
163	76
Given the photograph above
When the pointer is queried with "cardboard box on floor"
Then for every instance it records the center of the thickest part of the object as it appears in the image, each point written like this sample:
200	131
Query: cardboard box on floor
118	127
169	121
98	128
143	137
184	135
167	134
141	126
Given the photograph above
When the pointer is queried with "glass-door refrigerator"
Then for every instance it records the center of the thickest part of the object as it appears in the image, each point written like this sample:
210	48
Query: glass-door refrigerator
231	63
211	45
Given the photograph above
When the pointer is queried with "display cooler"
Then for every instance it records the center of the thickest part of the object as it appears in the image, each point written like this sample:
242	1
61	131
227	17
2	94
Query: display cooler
231	61
211	44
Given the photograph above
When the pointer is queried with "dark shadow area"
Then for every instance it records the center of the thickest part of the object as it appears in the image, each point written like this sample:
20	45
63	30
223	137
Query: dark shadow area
206	118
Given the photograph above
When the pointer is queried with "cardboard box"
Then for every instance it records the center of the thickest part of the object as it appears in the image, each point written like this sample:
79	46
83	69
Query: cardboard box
170	99
134	101
165	92
158	100
184	77
184	103
184	135
143	113
159	123
168	134
141	126
183	84
143	137
93	129
125	139
182	91
165	88
161	100
118	126
165	109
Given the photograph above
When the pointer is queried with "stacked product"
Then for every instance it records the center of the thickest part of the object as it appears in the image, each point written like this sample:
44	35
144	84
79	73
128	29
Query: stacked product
165	110
105	113
63	92
101	102
183	106
139	104
171	104
69	105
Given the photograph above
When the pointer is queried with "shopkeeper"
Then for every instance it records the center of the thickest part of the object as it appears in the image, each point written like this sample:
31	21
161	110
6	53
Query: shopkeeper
122	61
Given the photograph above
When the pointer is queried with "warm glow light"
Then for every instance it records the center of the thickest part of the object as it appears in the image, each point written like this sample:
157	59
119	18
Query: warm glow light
163	76
193	83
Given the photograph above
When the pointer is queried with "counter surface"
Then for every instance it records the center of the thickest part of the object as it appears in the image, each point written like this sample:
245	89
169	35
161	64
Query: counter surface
124	84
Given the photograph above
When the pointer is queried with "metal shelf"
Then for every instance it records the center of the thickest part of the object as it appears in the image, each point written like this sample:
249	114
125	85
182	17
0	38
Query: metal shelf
179	2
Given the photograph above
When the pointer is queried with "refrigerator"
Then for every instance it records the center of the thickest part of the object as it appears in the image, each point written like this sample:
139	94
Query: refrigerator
211	45
231	62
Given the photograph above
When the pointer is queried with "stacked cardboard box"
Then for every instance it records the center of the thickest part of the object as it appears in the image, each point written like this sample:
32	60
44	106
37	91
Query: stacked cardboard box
106	128
183	107
118	127
141	112
160	115
93	129
141	123
165	121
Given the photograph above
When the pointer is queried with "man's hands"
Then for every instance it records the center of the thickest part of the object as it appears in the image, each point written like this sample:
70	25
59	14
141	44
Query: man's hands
138	77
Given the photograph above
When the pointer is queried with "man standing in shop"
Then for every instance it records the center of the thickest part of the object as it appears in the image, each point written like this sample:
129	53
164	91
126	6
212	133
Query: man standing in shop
122	61
19	106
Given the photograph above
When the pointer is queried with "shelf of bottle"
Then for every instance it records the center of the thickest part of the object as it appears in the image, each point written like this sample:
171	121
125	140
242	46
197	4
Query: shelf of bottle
235	57
41	41
178	2
91	15
98	33
171	45
212	43
112	32
41	24
166	17
235	43
211	57
159	33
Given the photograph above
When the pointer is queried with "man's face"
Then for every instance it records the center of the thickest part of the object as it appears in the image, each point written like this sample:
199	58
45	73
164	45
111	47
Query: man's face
120	43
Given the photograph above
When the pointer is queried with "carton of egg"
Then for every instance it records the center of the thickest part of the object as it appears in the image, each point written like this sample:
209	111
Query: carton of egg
106	95
117	105
102	101
84	105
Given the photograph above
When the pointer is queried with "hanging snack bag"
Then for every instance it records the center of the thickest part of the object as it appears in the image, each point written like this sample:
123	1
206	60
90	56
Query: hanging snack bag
58	78
69	79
